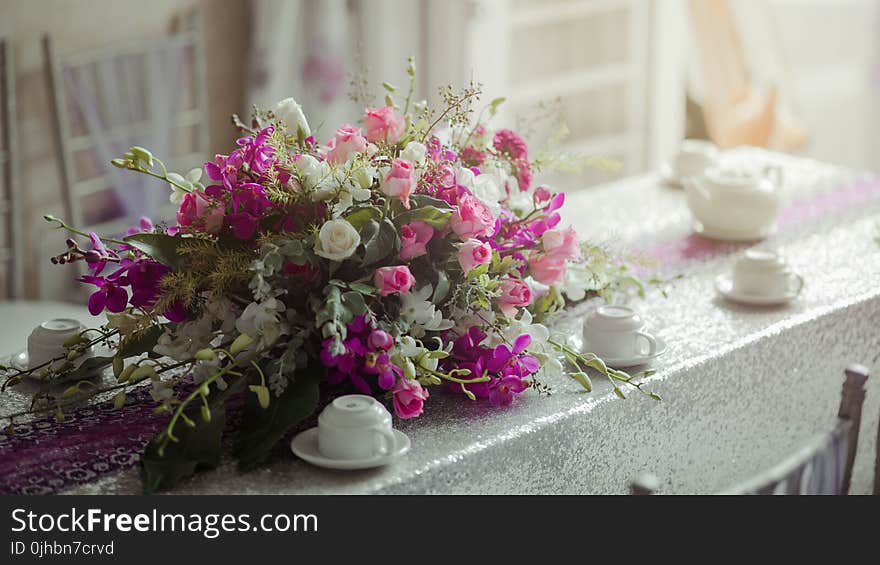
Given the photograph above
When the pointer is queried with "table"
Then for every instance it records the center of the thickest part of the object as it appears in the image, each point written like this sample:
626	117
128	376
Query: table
742	386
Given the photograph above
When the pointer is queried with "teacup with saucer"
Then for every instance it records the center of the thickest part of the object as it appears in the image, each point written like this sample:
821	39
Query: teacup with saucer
617	335
694	157
760	276
354	432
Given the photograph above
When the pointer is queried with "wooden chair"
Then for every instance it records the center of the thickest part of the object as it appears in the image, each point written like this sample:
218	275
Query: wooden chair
109	99
11	267
823	465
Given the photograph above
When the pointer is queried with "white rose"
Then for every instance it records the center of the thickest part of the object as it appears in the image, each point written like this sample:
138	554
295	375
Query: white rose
486	188
312	171
337	240
290	114
414	152
365	176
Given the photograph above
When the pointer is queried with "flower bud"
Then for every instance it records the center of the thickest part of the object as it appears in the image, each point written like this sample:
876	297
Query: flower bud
380	339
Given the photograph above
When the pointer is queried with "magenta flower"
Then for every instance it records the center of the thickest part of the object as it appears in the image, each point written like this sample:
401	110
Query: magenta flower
509	142
507	361
409	398
382	366
144	277
256	152
110	294
502	391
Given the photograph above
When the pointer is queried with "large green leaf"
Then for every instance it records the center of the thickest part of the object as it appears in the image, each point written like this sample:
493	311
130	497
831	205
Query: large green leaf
262	428
358	216
380	240
159	246
431	215
199	446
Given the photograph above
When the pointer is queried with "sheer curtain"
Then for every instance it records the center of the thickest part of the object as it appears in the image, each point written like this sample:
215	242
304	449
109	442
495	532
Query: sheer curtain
126	100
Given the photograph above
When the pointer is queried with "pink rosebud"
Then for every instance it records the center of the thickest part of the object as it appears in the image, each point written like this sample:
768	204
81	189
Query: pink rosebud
384	125
472	218
515	293
542	194
196	211
380	339
473	252
391	280
413	237
409	398
547	270
347	142
562	244
400	181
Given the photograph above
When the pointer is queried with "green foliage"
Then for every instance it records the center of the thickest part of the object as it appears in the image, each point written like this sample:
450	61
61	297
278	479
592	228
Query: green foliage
161	247
262	428
379	240
198	446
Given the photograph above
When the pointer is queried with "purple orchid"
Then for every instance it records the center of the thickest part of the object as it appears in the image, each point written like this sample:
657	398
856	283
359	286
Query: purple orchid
110	294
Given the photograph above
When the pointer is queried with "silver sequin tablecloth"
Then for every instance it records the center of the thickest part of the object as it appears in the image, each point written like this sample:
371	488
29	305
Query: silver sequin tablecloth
742	386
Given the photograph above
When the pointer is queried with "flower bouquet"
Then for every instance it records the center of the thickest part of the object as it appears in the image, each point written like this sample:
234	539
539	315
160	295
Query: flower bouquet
406	255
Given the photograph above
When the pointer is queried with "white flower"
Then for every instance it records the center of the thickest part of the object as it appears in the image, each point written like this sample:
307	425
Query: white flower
315	174
578	279
414	152
419	311
261	320
488	190
337	240
225	312
183	343
190	182
291	115
365	176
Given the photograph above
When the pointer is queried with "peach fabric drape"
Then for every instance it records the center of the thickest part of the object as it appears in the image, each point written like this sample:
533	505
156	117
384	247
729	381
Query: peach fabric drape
736	112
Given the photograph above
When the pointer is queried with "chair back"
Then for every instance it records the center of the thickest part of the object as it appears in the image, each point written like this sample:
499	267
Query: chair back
11	256
150	93
824	465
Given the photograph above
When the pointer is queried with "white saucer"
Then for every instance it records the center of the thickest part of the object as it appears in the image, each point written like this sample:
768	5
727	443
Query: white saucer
632	361
305	446
733	235
724	286
18	360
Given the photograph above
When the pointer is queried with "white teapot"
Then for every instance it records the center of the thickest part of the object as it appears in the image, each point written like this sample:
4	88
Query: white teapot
735	204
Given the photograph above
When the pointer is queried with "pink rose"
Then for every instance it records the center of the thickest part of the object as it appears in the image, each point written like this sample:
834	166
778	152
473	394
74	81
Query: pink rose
347	142
472	218
562	244
390	280
413	237
515	293
197	212
409	398
473	252
383	125
547	270
400	181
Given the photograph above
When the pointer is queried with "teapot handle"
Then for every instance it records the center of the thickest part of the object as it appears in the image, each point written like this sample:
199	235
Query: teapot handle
774	174
692	183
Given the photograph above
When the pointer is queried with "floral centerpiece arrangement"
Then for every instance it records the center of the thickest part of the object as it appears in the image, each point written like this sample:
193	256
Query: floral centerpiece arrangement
408	254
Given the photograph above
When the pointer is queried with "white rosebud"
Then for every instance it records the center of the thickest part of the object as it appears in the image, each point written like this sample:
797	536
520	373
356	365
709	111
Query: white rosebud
364	176
312	171
337	240
414	152
290	113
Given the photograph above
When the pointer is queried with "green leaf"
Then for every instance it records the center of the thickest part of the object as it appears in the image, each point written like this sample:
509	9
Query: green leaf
262	429
89	368
381	243
358	216
354	302
441	289
494	104
159	246
262	395
199	446
365	289
431	215
141	343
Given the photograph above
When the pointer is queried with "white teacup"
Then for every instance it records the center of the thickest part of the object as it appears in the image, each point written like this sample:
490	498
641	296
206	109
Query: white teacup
616	332
355	427
46	341
764	272
694	157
